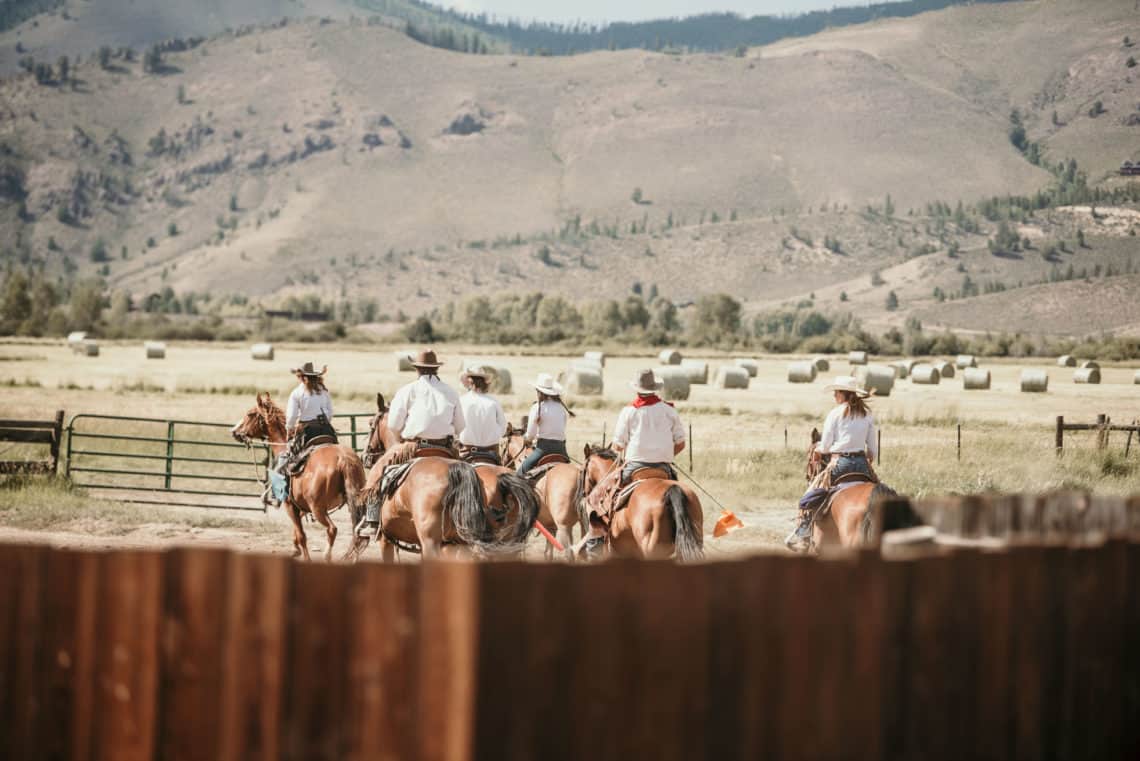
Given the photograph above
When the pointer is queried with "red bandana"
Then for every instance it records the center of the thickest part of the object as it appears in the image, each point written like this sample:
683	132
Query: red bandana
647	401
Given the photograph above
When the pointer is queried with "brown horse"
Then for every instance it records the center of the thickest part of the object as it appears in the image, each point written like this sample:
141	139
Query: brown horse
442	504
512	503
560	492
380	437
332	477
662	519
849	520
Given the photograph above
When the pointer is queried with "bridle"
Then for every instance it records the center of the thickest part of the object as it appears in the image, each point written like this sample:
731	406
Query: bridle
511	460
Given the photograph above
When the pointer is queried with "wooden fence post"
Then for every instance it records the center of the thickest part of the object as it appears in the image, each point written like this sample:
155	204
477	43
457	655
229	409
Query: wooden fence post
1101	431
1060	435
690	447
959	442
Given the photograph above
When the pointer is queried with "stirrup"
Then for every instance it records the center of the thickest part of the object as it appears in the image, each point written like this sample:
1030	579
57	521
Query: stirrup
594	548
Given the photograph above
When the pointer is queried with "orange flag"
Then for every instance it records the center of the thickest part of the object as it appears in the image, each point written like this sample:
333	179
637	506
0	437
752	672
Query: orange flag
726	523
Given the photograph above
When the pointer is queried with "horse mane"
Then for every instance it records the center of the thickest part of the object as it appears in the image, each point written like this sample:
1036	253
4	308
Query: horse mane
273	414
606	453
900	515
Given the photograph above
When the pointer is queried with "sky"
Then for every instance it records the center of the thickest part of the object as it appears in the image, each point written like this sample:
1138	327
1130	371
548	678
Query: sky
635	10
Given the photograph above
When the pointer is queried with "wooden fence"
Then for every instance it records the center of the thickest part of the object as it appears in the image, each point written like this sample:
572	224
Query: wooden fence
1030	652
1103	427
47	432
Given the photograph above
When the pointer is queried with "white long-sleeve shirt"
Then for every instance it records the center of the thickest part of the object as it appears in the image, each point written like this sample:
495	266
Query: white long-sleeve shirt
848	433
426	408
304	406
649	433
546	420
485	421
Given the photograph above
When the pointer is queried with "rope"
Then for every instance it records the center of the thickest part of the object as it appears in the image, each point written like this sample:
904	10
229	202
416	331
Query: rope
681	470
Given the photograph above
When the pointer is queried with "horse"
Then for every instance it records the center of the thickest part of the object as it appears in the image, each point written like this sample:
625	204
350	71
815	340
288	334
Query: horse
560	491
333	475
663	518
380	437
851	518
512	503
442	504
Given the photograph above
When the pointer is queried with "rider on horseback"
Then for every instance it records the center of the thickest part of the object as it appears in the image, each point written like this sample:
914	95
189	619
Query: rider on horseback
308	413
546	422
427	410
849	440
485	421
649	434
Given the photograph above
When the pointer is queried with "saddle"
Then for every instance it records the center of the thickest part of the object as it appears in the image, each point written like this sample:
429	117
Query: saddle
434	451
818	499
554	458
545	465
297	464
611	495
477	455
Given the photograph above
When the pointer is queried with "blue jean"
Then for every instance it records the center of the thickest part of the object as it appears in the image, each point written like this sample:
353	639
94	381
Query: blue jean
851	464
542	448
632	466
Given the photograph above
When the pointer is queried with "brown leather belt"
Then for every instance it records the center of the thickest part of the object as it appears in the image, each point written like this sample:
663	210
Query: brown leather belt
850	454
445	442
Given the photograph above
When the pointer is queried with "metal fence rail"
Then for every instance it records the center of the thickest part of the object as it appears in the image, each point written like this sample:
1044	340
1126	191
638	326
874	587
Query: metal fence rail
166	462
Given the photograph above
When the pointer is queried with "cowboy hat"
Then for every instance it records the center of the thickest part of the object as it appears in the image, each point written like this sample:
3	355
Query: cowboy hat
477	371
426	358
546	384
646	383
847	383
309	370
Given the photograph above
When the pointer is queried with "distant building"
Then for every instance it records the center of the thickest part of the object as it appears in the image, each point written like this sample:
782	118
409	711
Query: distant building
1129	169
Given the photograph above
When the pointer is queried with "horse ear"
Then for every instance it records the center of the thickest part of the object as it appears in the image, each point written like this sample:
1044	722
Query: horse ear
380	407
260	403
815	437
587	451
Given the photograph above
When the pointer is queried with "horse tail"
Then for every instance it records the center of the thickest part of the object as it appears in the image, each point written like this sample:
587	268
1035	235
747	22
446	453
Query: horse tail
352	471
466	507
900	515
687	538
514	485
580	500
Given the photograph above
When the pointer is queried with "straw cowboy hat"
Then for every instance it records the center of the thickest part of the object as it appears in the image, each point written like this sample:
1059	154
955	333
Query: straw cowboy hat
847	383
646	383
426	358
477	371
546	384
309	370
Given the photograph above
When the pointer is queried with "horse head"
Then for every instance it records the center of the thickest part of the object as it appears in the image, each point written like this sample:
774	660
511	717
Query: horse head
513	447
598	462
260	421
380	437
814	462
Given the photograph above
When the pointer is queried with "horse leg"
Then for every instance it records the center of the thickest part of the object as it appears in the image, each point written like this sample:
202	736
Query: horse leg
565	536
330	531
300	543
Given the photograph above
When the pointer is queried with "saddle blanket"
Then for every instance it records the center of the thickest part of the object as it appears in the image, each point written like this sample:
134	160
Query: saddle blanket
297	464
390	481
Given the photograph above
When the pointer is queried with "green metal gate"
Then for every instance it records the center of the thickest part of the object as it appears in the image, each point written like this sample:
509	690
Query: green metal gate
174	462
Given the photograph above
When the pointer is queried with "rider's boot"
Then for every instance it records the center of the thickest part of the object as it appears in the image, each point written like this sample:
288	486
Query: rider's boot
800	539
371	521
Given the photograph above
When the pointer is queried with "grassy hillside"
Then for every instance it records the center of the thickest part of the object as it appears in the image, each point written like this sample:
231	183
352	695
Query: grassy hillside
339	159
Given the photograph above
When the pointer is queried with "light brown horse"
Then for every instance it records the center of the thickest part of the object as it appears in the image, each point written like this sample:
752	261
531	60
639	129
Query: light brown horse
662	519
380	437
849	521
512	503
441	504
560	492
333	475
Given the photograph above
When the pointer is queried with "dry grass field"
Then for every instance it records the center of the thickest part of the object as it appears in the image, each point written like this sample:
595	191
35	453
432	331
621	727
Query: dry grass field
738	444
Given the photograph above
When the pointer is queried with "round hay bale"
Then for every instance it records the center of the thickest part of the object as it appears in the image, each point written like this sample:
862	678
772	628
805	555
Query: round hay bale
75	340
697	369
89	348
728	376
857	358
597	356
877	378
945	368
966	360
801	372
669	357
1066	360
1090	364
822	365
155	350
751	365
262	352
581	380
1034	381
589	364
404	362
925	375
1136	377
976	379
676	382
1086	375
